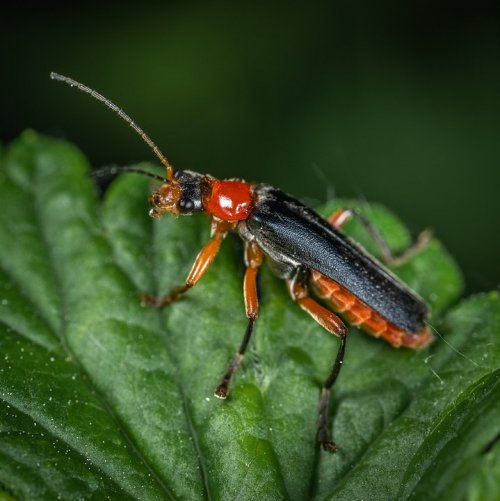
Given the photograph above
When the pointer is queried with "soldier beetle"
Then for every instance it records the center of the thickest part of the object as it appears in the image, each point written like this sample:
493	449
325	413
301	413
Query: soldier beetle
310	253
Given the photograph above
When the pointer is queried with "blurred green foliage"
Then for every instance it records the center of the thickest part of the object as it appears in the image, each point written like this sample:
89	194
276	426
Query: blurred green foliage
395	102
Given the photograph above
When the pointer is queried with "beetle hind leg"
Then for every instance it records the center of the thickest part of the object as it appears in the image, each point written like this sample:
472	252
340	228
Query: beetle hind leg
333	324
323	433
341	216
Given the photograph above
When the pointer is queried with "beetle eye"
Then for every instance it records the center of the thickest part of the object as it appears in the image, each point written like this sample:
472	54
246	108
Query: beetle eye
156	199
186	204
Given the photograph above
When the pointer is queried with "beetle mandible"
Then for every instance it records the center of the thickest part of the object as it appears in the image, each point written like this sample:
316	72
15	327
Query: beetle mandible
307	251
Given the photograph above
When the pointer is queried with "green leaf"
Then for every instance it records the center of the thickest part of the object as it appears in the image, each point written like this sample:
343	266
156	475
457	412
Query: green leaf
104	398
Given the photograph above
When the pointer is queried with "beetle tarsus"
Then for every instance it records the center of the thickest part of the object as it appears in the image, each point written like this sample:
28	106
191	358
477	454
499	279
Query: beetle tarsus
161	301
152	301
223	389
324	436
323	433
329	446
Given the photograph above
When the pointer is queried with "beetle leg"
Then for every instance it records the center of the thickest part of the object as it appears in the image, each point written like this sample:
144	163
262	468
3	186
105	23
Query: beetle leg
341	216
333	324
200	266
253	260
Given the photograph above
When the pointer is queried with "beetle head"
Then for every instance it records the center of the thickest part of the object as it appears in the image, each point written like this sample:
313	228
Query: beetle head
182	195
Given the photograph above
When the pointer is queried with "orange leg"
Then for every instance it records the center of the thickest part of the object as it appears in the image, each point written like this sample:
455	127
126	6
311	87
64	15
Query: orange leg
203	261
341	216
253	260
333	324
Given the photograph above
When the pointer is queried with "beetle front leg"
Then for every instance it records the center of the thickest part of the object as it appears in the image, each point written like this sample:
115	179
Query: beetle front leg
333	324
253	260
203	261
341	216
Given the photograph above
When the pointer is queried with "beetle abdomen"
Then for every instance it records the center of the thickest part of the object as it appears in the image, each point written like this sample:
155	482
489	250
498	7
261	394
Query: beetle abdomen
360	314
289	232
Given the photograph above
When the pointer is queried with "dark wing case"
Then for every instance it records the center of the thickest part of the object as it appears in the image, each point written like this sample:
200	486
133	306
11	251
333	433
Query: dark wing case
289	231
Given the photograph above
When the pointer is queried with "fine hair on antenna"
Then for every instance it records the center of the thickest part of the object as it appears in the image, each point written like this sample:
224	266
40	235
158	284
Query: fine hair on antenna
121	114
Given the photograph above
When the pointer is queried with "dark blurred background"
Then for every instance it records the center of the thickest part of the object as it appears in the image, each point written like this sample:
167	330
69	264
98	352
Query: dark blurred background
389	101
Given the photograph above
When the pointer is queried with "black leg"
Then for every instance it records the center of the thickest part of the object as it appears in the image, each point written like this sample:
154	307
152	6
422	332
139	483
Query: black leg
323	433
253	259
339	217
222	390
333	324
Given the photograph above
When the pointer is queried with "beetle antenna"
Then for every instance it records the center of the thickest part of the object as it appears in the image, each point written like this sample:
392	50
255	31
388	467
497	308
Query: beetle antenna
112	170
451	346
121	114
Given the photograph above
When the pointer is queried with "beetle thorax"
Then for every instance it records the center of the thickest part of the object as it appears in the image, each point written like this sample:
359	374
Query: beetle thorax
229	200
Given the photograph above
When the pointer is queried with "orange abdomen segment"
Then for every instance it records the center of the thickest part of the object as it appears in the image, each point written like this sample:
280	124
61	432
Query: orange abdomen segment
360	314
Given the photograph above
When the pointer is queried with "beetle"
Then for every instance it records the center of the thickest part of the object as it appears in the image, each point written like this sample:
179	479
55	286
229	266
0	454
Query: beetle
310	253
